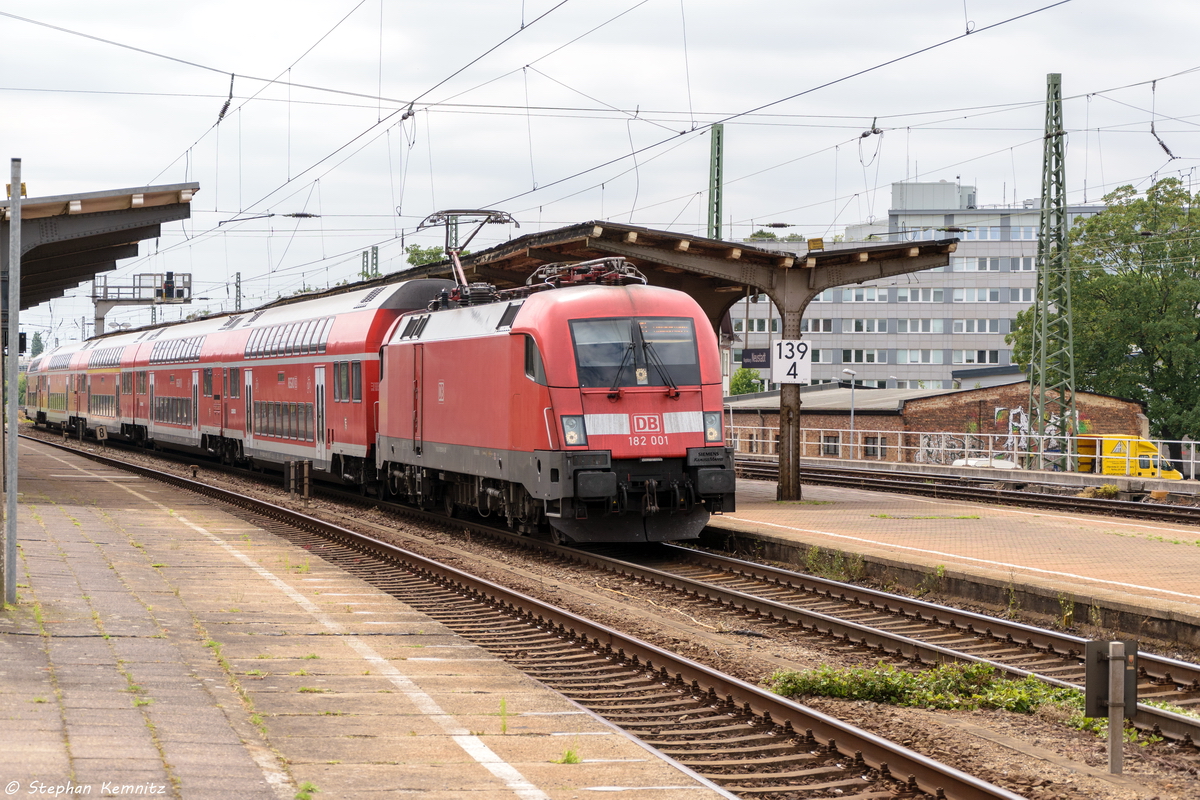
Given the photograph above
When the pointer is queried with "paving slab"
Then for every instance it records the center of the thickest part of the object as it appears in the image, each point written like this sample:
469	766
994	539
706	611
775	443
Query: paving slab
160	631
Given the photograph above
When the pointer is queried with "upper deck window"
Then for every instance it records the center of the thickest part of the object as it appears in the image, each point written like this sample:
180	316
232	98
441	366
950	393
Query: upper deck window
641	351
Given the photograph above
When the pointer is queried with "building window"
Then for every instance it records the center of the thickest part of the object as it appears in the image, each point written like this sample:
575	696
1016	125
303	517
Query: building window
976	357
1023	232
864	356
919	356
816	326
976	326
830	444
975	264
1022	264
874	446
822	356
864	294
980	294
1020	295
826	296
911	294
919	325
864	326
737	326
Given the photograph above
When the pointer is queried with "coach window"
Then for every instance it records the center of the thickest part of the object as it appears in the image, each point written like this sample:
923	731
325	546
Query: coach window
343	381
534	369
279	340
208	386
356	381
302	329
323	336
295	339
234	387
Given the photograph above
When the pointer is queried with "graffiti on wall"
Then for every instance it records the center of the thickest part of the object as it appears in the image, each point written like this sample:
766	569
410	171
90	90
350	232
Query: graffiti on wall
945	448
1013	428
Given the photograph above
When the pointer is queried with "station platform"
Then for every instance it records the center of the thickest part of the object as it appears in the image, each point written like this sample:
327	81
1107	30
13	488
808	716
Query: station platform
1084	572
161	646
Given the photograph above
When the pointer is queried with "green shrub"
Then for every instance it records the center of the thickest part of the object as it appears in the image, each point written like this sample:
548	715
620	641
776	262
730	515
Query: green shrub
948	686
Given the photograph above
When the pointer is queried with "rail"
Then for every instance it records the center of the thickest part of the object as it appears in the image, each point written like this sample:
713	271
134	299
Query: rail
779	715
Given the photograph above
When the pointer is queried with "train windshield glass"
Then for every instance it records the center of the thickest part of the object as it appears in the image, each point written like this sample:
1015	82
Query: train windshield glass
642	351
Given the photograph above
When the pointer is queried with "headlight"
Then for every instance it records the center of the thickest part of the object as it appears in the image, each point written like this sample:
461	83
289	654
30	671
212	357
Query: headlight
712	426
574	433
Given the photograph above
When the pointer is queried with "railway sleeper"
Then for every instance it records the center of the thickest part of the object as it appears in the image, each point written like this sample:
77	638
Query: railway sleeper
701	750
768	738
810	788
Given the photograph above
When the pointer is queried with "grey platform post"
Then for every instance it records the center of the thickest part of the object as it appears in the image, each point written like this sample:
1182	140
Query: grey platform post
11	377
1116	706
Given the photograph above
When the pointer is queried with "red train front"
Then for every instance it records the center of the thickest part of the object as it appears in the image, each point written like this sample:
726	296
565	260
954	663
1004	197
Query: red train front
587	400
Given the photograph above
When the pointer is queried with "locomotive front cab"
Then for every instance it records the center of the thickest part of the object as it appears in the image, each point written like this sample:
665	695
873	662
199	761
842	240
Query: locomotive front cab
643	438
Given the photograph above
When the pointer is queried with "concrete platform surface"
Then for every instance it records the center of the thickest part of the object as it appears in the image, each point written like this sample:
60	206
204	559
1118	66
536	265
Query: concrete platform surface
1138	576
163	647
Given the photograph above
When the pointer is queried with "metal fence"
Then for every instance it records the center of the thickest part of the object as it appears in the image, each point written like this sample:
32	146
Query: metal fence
1017	450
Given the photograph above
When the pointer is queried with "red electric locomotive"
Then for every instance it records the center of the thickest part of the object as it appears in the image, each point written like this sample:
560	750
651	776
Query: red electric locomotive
586	399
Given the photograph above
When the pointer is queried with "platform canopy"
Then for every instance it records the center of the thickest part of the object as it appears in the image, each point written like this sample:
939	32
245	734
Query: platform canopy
68	239
716	273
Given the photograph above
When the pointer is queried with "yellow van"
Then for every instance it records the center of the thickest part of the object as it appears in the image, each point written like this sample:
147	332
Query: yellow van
1124	455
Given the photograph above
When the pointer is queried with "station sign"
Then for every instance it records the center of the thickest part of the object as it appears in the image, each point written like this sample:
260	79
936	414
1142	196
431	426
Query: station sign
791	362
756	357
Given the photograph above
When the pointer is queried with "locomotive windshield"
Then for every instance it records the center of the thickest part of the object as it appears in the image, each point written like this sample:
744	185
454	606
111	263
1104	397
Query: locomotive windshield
641	351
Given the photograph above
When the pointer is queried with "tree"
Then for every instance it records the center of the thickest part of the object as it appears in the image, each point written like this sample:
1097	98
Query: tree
1135	272
742	381
419	256
35	345
763	235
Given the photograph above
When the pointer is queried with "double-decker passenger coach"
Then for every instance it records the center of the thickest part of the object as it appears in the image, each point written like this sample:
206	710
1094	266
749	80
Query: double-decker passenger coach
585	402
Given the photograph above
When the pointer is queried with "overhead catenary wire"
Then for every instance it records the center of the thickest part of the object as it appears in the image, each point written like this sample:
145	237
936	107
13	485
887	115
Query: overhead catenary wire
643	118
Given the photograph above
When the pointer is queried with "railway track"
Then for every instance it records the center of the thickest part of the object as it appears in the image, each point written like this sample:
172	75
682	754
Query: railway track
743	738
970	489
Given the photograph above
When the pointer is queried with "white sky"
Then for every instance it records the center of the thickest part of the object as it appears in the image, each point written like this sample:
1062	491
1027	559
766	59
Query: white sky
584	84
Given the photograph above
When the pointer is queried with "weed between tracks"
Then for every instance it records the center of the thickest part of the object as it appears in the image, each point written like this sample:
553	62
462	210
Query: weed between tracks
947	686
961	687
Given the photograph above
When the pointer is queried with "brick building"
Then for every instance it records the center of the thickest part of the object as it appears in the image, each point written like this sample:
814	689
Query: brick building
916	425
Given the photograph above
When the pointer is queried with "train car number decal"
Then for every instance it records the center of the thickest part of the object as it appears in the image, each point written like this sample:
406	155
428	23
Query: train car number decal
642	441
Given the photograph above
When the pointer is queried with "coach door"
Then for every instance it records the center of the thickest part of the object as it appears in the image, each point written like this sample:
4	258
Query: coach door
249	420
319	415
150	415
418	394
196	403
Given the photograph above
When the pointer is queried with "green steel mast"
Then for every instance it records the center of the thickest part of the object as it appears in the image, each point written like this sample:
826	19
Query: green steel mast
716	177
1052	358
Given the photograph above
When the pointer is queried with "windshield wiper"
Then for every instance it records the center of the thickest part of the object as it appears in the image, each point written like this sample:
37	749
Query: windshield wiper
652	357
615	390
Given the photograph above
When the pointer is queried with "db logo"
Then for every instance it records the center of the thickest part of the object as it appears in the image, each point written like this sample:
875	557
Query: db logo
646	423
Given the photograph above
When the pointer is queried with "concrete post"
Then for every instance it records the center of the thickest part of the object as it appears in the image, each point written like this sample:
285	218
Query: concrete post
1116	707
